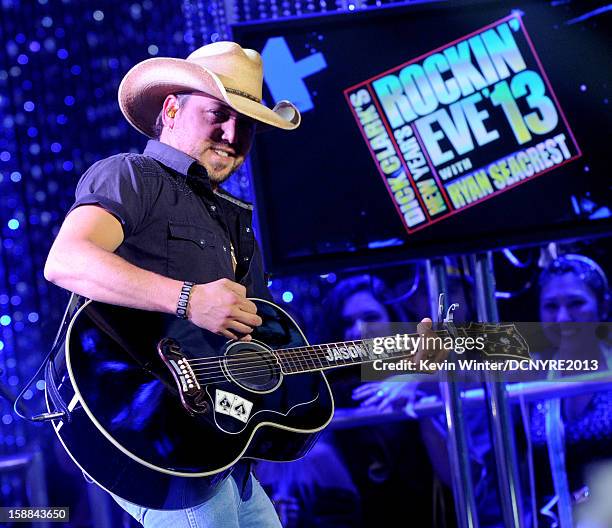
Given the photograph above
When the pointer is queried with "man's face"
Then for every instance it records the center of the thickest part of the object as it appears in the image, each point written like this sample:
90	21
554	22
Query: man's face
213	133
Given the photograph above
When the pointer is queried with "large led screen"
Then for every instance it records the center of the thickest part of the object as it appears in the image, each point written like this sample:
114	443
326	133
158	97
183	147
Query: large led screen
431	129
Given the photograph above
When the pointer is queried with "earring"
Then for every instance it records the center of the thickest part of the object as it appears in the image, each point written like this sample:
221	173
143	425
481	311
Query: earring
171	112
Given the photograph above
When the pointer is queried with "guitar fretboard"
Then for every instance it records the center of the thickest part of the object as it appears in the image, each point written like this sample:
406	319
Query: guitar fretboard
331	355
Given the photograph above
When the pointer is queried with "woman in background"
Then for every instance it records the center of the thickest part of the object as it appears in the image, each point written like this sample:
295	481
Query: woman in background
574	296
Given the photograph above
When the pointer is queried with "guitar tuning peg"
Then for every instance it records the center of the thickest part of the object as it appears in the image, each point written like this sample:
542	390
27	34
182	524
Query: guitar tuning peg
449	321
440	307
449	312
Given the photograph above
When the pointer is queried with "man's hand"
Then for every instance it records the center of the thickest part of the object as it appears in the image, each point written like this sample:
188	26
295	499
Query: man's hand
427	352
222	308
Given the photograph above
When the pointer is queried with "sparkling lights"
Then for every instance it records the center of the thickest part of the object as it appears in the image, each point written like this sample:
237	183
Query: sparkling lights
59	60
60	66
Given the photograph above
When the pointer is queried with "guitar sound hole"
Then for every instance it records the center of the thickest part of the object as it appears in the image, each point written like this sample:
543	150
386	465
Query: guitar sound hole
252	366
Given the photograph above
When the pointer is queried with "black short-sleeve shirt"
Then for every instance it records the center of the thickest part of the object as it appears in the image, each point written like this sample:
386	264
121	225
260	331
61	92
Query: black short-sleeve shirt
173	223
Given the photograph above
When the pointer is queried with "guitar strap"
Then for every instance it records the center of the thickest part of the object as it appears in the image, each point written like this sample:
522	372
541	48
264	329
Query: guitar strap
51	376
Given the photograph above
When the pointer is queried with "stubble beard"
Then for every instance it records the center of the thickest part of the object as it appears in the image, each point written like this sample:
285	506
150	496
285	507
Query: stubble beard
219	176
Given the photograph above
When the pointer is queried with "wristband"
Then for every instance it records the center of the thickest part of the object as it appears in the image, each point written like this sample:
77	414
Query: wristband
183	300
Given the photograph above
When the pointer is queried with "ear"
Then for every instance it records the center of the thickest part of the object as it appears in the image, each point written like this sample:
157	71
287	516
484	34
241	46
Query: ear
169	109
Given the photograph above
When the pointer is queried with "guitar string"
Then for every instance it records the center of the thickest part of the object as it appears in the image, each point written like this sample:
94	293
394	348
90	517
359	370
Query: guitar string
308	348
354	342
220	380
239	369
245	359
251	372
310	364
285	358
293	353
244	366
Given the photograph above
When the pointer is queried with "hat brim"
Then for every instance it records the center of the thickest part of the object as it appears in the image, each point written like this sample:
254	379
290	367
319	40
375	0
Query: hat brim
144	88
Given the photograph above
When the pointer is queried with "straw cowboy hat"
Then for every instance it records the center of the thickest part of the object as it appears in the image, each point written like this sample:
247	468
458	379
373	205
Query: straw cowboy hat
224	70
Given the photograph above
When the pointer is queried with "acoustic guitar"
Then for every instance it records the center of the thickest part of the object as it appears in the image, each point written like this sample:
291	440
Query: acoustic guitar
158	411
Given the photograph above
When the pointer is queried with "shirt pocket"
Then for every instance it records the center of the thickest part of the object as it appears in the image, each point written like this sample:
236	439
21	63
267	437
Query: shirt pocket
192	253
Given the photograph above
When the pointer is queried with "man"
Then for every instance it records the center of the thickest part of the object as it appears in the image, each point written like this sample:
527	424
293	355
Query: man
144	228
154	231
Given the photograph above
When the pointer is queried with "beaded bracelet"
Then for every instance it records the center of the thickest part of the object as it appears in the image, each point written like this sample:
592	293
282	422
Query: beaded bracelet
183	300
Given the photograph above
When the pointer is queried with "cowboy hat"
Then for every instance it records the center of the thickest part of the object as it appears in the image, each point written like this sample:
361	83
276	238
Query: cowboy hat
223	70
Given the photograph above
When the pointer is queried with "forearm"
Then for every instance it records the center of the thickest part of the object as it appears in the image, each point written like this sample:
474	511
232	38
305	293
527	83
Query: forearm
84	268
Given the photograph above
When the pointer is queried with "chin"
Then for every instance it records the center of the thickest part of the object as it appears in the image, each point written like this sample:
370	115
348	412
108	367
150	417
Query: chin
218	178
221	174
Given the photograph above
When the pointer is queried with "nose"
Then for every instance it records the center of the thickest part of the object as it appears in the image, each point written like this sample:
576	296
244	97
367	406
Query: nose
230	130
563	314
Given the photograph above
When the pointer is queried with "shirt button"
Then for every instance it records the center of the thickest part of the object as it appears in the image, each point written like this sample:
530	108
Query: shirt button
246	259
225	248
202	242
213	208
248	229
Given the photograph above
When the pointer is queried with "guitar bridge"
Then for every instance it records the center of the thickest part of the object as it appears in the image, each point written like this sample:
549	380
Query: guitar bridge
192	396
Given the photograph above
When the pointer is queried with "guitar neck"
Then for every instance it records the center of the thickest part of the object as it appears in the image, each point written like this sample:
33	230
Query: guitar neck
343	354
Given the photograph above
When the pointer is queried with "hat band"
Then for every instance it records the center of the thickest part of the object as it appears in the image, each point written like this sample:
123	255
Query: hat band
242	94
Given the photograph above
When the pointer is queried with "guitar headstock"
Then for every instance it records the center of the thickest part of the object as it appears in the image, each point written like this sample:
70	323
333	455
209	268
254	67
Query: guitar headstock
500	339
